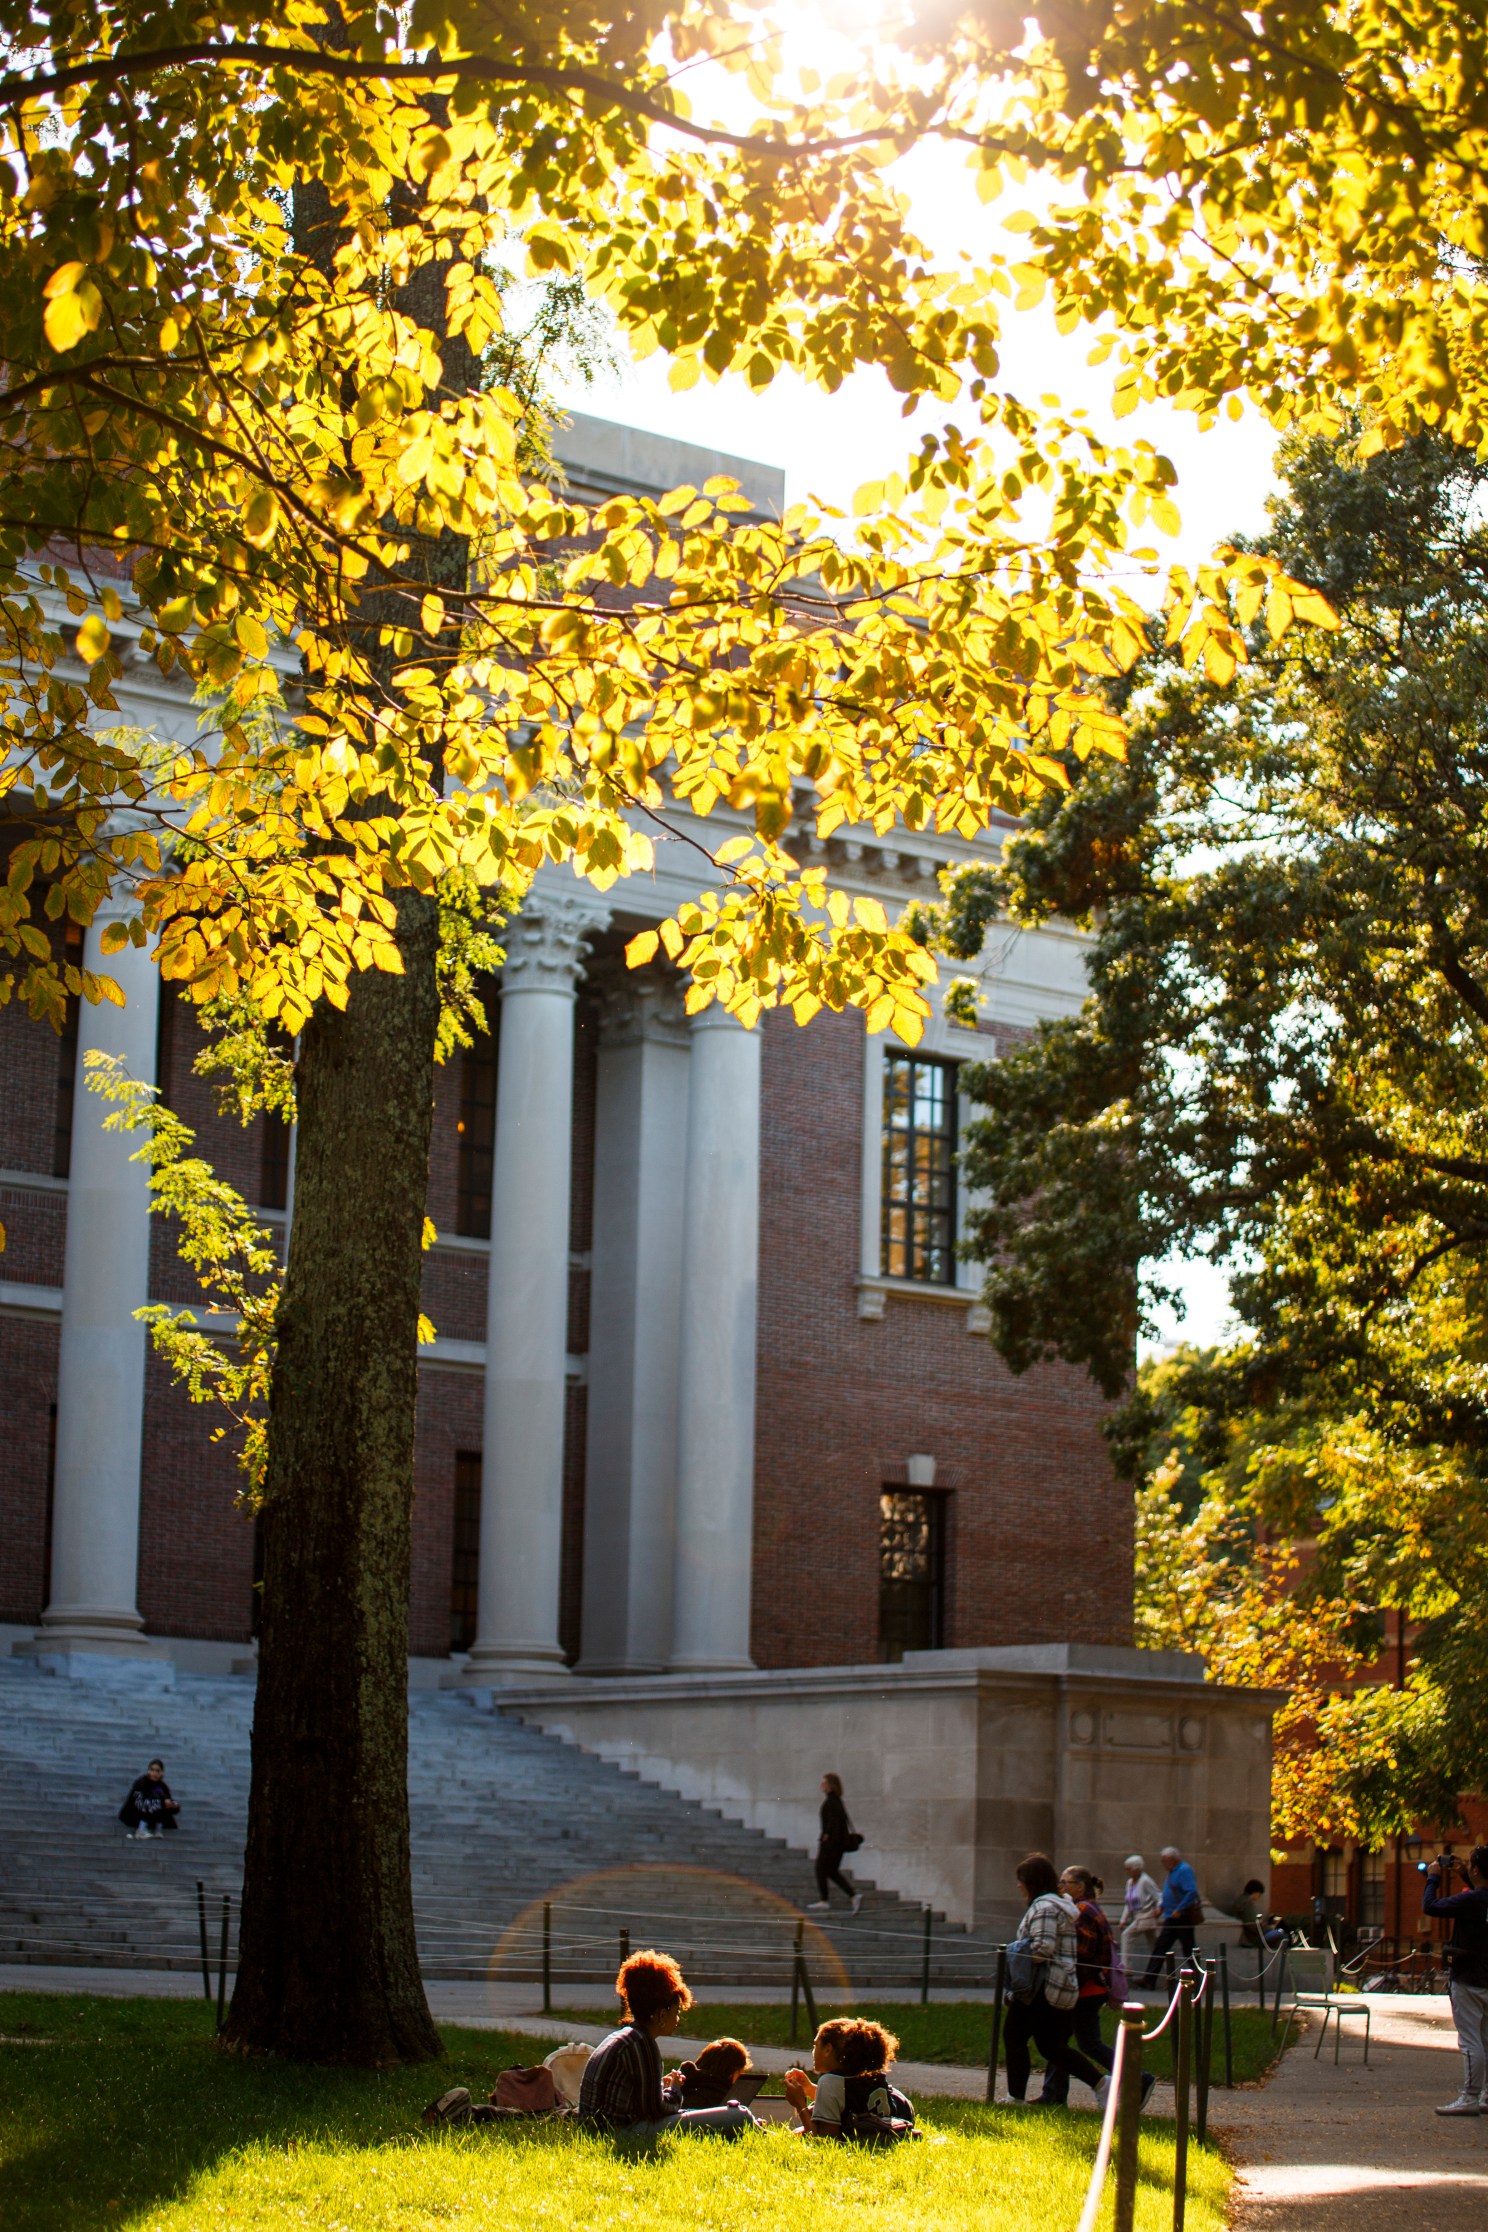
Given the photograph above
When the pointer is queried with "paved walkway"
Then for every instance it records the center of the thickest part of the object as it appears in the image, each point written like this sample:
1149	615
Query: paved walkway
1349	2149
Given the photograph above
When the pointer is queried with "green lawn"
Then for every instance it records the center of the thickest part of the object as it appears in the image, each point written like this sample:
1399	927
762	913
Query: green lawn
128	2117
958	2031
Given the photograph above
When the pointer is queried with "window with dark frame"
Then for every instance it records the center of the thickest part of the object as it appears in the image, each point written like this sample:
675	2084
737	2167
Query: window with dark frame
465	1562
1371	1896
911	1572
274	1140
477	1130
918	1217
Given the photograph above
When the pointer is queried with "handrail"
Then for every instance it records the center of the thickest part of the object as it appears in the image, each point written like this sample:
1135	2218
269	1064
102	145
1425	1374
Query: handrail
1102	2161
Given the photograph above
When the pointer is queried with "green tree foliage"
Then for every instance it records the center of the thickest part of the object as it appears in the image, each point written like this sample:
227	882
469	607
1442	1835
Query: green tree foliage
1283	1064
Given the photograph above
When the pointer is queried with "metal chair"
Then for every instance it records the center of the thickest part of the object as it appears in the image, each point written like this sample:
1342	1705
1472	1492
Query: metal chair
1309	1973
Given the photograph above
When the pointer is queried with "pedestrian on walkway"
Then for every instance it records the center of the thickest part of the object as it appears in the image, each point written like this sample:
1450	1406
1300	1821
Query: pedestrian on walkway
1182	1912
838	1836
1141	1914
1467	1956
149	1808
1093	1951
1044	2013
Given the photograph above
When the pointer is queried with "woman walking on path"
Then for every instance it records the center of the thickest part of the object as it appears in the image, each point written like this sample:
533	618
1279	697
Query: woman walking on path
1045	2016
1140	1915
837	1837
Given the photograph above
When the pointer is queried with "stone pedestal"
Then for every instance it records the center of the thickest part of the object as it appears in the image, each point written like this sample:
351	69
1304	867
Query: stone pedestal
958	1763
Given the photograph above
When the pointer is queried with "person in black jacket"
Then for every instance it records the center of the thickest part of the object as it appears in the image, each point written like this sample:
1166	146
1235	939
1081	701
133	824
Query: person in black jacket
149	1808
1467	1956
836	1830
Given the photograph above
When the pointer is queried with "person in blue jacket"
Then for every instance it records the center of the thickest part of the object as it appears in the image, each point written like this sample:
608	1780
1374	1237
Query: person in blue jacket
1182	1912
1467	1958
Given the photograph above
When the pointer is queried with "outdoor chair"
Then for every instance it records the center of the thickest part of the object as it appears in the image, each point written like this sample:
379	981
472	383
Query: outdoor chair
1309	1974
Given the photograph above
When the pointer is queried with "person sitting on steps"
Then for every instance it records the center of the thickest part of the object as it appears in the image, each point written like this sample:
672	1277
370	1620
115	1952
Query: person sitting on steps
837	1837
623	2089
149	1808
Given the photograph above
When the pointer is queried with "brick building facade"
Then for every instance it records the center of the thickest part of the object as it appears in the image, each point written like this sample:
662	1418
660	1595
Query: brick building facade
907	1491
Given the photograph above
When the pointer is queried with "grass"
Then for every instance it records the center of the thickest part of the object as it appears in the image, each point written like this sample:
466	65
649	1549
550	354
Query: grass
129	2117
959	2031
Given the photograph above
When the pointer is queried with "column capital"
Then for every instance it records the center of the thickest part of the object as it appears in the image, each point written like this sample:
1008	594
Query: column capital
715	1017
640	1006
546	944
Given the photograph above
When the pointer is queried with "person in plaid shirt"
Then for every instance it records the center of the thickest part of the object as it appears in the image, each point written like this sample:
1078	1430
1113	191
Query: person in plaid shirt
1046	2018
623	2089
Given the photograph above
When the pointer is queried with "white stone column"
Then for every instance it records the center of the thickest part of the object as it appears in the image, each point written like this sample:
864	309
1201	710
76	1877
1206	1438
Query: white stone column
527	1299
635	1319
92	1622
720	1291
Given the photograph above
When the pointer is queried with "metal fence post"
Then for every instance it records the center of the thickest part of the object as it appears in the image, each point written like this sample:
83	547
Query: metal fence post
624	1947
1224	1986
806	1992
1183	2058
1206	2052
1280	1983
201	1917
796	1980
994	2049
925	1962
1129	2118
547	1956
222	1961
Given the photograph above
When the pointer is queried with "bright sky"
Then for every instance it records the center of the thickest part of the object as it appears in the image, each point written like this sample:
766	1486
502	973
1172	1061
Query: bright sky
830	444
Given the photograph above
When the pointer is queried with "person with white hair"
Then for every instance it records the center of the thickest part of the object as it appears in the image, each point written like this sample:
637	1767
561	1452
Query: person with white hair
1141	1915
1182	1912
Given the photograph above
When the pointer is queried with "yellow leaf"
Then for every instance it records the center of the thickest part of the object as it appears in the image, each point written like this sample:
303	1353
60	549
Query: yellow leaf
69	316
92	639
1219	661
431	614
1278	613
642	948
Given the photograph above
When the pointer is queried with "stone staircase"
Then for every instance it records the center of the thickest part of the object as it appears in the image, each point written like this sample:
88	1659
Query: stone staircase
514	1833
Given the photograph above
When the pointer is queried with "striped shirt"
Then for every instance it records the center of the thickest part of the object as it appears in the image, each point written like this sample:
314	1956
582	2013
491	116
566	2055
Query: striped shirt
622	2080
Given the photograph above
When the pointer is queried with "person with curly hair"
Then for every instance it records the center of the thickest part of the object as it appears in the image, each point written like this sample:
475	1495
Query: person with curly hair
623	2089
851	2058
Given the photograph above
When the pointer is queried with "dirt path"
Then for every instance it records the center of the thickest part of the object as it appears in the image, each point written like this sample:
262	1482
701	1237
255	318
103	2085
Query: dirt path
1350	2149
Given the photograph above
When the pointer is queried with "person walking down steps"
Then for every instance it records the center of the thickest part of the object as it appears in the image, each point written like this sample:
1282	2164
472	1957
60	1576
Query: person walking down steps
838	1836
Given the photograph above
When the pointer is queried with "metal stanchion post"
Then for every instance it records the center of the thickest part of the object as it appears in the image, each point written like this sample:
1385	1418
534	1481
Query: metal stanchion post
994	2049
624	1947
1183	2057
1206	2050
1224	1986
1281	1966
925	1963
806	1993
547	1956
1129	2119
201	1916
222	1962
796	1980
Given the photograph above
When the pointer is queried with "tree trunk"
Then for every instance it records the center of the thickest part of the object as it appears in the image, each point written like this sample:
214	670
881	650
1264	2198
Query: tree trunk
328	1963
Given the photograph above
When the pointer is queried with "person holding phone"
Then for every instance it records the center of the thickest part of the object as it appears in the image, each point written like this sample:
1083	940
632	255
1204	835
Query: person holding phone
1467	1959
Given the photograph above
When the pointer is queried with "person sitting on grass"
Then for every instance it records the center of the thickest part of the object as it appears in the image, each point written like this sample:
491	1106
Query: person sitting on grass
709	2081
851	2058
623	2090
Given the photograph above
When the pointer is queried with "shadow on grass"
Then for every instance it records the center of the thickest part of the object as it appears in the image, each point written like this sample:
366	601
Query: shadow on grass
131	2100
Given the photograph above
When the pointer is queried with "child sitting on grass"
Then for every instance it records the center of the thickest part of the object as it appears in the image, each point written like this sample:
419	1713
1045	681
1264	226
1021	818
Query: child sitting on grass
851	2058
709	2081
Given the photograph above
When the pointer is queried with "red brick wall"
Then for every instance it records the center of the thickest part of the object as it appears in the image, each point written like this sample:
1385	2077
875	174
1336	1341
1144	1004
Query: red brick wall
28	1389
196	1541
449	1420
1039	1534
